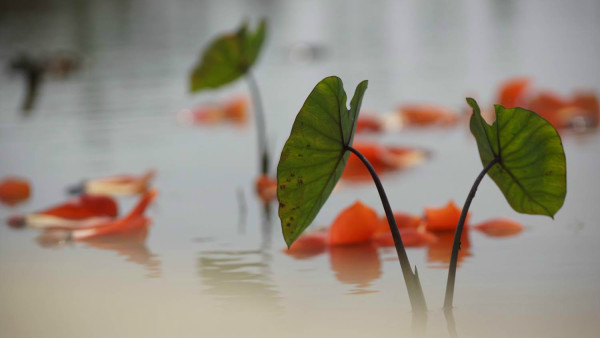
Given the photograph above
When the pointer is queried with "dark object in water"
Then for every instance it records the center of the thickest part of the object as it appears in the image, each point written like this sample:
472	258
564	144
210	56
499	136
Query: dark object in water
33	70
60	65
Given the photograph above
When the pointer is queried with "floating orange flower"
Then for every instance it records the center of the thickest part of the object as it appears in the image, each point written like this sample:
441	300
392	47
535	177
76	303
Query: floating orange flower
233	110
266	188
427	114
368	123
444	218
382	158
580	112
500	227
411	237
403	220
119	185
308	245
513	92
84	209
14	190
134	221
355	224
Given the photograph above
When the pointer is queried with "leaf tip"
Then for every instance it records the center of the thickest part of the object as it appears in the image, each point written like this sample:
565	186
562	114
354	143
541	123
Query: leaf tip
471	101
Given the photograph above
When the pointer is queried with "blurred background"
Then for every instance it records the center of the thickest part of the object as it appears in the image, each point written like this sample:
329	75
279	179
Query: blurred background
94	88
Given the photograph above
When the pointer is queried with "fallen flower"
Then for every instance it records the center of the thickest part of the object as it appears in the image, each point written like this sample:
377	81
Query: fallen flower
411	237
134	221
403	220
308	245
118	185
14	190
79	211
580	112
355	224
513	92
500	227
382	158
444	218
427	115
266	188
368	123
232	110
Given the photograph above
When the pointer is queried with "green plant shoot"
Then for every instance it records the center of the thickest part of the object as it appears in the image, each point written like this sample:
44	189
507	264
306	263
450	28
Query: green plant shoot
228	58
524	156
312	162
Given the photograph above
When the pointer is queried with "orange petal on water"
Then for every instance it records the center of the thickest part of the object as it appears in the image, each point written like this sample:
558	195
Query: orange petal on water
308	245
83	211
500	227
410	237
368	123
236	109
402	157
551	106
586	106
403	220
382	158
135	220
513	92
355	224
84	206
426	114
444	218
356	170
266	188
14	190
120	184
233	110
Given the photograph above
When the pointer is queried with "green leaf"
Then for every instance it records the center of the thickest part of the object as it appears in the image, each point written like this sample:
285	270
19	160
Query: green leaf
315	154
227	58
532	172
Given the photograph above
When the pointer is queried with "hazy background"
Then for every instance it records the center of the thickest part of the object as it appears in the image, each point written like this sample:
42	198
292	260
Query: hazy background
206	269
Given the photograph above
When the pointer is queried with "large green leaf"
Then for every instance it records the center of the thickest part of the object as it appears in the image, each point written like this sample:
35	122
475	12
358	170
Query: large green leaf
315	154
532	168
227	58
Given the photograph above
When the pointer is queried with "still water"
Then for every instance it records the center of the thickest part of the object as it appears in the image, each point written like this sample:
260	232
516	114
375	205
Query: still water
212	263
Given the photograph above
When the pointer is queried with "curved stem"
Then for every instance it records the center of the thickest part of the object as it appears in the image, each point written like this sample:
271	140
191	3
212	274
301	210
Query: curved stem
415	292
261	129
459	229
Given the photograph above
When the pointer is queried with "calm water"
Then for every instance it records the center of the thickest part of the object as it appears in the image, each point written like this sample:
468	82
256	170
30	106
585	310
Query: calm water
212	263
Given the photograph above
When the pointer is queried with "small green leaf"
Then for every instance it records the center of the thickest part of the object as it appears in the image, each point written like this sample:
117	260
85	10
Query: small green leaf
532	171
227	58
315	154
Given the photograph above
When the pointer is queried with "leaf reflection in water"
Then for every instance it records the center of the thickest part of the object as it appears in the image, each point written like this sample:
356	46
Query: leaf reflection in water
131	246
243	276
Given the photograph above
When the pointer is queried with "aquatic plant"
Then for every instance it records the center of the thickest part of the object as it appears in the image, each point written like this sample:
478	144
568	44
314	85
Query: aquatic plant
524	156
226	59
312	162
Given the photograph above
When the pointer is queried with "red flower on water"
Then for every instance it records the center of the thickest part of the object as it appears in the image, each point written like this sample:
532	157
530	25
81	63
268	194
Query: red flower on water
14	190
500	227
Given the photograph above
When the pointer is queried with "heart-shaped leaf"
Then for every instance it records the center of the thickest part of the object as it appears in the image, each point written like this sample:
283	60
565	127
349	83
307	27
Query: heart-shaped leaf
228	57
314	156
531	169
